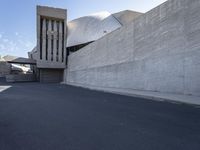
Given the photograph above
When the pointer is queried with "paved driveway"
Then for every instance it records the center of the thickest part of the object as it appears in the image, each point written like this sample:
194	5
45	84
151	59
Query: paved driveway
37	116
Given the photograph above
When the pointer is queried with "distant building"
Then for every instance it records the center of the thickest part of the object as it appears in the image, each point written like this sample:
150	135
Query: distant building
16	69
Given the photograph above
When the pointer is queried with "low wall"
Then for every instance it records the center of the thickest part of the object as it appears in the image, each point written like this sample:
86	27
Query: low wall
159	51
4	68
20	78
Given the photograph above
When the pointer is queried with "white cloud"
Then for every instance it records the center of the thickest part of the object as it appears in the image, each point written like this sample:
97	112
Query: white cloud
15	46
2	47
16	33
5	40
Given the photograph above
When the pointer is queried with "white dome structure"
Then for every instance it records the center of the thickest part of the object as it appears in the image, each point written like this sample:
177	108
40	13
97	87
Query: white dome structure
90	28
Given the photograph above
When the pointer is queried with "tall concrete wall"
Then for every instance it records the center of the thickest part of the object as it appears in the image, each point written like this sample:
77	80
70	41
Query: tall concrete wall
159	51
51	37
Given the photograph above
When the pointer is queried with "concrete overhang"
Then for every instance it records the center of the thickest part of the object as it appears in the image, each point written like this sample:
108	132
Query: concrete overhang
19	60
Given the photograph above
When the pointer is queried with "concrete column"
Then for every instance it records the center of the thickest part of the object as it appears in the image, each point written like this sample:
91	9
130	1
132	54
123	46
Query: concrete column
55	37
43	39
60	43
65	51
49	41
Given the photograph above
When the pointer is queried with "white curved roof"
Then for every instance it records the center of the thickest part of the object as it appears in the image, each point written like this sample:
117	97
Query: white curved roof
1	58
19	68
126	16
90	28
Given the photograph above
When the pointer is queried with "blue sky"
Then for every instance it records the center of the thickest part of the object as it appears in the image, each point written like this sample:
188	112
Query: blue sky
18	18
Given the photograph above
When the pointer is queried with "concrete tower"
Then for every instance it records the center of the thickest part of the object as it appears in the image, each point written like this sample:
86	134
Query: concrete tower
51	43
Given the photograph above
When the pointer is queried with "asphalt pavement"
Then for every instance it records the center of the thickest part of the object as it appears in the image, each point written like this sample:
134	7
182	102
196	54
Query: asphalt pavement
36	116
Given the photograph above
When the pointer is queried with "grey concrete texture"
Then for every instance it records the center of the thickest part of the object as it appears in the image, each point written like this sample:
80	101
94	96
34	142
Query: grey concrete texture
159	51
5	68
21	78
52	12
150	95
55	59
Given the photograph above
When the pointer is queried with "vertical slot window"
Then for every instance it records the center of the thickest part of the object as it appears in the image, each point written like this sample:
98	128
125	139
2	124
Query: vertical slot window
57	52
47	25
52	36
63	41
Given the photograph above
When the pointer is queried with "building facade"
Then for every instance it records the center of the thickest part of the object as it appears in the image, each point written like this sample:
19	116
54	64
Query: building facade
156	51
57	38
51	43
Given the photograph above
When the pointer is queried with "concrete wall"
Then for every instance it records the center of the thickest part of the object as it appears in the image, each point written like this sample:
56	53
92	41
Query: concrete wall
159	51
5	68
20	78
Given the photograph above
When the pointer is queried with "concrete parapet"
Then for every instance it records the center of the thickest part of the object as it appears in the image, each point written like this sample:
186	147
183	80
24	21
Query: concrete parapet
20	78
